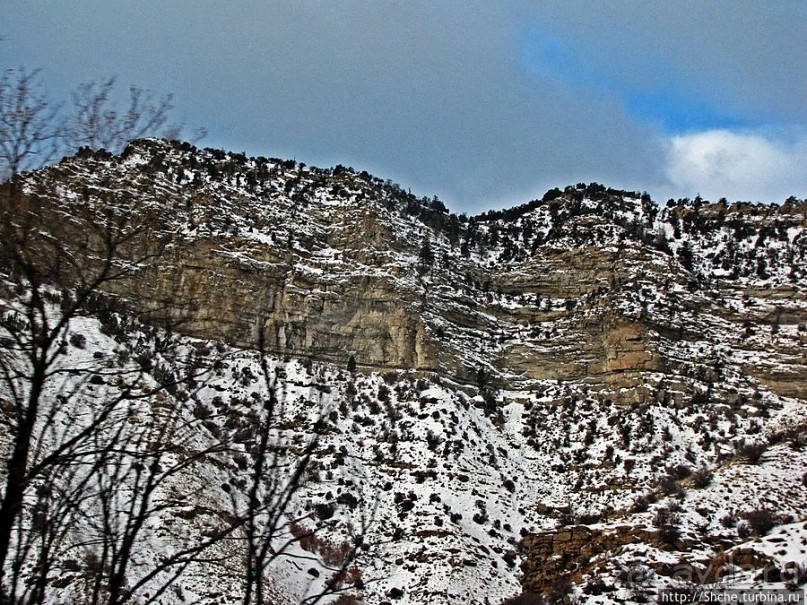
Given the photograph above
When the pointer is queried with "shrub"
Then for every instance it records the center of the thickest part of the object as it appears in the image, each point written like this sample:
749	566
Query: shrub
303	535
560	591
598	586
702	477
761	521
78	340
332	554
324	510
527	598
670	487
433	440
395	593
751	451
640	504
201	411
590	518
240	461
351	577
480	518
348	499
679	471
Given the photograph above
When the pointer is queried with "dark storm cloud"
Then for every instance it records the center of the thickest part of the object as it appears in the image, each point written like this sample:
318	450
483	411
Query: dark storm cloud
434	95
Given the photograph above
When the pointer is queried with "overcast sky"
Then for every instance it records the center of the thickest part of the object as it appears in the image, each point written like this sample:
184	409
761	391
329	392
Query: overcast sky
485	104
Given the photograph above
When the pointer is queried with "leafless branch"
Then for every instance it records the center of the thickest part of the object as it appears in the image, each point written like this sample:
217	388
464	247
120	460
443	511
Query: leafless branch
29	129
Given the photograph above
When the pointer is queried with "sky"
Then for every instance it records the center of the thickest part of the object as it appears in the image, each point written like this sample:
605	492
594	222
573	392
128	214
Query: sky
485	104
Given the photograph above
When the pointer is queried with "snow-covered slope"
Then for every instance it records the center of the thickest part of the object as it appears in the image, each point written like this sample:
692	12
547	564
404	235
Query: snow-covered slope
588	360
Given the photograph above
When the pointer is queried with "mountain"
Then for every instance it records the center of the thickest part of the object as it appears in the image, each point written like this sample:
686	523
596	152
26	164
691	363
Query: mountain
589	393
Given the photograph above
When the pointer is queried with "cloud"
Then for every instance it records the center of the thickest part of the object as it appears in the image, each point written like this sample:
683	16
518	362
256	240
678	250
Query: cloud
753	166
485	103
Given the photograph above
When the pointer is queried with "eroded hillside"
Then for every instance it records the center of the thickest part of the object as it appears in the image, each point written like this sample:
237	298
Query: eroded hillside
590	360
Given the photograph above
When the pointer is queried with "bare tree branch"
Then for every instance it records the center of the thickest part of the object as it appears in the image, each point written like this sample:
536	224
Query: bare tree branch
29	127
98	123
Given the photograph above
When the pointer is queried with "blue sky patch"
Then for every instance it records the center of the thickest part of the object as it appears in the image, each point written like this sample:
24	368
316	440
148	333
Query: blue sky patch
672	106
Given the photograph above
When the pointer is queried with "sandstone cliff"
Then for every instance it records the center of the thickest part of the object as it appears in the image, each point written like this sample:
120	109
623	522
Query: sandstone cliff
591	285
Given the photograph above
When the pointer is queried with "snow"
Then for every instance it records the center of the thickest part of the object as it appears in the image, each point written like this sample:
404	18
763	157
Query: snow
452	486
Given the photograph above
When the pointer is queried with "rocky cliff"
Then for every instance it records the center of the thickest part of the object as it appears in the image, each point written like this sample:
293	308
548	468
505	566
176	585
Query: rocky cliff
329	263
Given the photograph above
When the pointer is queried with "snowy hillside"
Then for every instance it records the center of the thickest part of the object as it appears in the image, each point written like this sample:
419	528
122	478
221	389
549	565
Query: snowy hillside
547	398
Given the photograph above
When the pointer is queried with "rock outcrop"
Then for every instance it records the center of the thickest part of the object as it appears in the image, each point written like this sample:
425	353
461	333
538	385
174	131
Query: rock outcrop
570	553
592	285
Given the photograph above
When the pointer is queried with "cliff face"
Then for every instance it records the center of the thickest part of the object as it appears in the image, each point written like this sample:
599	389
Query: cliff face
582	347
591	285
233	292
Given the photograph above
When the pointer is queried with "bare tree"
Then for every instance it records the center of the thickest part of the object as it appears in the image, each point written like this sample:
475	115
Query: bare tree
92	441
29	124
95	442
34	129
270	527
95	121
86	475
45	286
38	270
131	484
51	270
